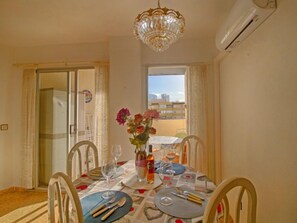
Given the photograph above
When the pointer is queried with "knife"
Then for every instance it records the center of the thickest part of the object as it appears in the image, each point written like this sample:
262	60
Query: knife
105	209
195	196
187	198
189	194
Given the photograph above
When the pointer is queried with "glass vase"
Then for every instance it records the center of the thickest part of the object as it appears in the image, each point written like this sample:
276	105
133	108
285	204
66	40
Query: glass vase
141	163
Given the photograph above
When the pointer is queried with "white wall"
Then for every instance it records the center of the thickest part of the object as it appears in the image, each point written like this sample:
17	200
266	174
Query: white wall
125	88
10	92
259	114
184	51
62	53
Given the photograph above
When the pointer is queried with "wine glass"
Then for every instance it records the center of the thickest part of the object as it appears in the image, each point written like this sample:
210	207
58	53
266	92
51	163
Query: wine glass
166	174
116	151
108	170
170	154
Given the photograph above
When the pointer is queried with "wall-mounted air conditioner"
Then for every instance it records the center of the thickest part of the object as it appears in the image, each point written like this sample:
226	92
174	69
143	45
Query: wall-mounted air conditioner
244	18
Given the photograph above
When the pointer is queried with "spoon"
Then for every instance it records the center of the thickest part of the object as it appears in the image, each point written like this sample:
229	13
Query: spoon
120	204
103	205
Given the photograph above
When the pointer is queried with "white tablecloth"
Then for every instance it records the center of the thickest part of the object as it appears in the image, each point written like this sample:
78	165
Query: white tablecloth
143	200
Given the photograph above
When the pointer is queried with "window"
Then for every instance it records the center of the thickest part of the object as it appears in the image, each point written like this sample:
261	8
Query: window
166	91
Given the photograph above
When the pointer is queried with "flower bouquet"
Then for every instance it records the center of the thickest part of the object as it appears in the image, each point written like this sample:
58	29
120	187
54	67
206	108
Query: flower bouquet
140	127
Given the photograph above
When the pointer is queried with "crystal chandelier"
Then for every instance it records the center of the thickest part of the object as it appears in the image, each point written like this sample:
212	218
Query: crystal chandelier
159	27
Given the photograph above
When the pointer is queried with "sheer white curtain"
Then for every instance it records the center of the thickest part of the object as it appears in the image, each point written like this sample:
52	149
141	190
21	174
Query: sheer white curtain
101	111
29	127
196	91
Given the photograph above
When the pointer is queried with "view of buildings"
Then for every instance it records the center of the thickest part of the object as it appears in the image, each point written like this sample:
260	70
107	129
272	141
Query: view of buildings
168	109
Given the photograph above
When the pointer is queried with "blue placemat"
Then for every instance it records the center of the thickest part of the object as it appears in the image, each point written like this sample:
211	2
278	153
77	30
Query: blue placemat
178	168
90	202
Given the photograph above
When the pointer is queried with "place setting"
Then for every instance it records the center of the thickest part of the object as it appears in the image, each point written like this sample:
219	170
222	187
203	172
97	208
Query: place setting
96	208
96	173
172	199
181	202
108	205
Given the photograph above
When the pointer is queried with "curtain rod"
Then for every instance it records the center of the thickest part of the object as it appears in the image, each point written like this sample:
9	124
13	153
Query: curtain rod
177	64
61	64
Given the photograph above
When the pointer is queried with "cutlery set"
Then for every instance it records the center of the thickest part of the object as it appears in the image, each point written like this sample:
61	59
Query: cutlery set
107	206
188	196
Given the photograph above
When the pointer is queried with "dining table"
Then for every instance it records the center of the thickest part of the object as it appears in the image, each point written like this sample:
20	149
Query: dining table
142	198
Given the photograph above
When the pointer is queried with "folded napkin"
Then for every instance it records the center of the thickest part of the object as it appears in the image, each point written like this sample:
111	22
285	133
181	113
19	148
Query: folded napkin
96	172
200	184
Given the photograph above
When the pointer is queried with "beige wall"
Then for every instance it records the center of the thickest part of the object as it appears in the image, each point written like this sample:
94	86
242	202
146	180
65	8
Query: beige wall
62	53
125	88
184	51
259	114
10	99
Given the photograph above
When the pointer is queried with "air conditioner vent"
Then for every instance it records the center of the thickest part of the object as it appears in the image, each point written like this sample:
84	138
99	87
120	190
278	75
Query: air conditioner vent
244	18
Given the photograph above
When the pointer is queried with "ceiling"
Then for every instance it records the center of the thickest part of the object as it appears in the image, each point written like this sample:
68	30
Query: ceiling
48	22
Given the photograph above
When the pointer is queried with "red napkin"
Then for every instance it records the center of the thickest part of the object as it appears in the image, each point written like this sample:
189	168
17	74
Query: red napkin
82	187
141	191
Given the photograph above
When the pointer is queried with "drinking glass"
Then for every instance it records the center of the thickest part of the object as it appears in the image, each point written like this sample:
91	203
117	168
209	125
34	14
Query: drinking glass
116	151
166	174
108	170
170	154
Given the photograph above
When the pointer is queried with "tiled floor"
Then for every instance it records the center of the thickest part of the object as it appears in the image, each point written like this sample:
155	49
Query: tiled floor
23	206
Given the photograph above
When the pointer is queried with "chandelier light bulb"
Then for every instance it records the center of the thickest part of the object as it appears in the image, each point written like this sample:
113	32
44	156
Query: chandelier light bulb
159	27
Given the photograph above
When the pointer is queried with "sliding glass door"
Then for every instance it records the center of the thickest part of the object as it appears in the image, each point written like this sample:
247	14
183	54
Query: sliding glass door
62	117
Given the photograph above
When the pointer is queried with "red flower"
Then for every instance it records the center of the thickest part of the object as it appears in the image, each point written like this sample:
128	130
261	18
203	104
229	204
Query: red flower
138	119
152	130
140	129
122	116
130	130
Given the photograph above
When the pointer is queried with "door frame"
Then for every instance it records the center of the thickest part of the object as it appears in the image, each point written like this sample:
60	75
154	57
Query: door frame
75	114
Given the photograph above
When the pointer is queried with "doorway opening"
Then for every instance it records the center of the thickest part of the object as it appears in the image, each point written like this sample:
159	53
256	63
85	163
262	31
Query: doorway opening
66	111
167	94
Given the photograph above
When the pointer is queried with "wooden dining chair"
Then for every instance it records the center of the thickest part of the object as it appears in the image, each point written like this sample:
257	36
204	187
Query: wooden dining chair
82	150
229	190
191	152
62	192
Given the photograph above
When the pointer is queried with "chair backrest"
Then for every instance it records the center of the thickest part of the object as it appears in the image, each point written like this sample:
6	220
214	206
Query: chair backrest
79	148
229	186
191	152
61	182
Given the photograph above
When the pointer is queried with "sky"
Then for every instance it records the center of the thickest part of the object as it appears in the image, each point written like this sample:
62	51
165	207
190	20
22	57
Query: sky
167	84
